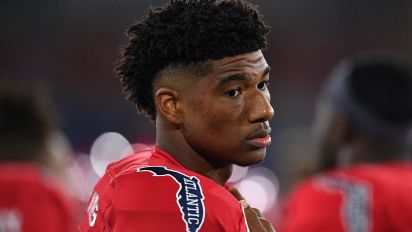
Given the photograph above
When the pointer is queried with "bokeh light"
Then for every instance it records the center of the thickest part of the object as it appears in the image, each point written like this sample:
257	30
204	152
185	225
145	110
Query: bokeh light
238	173
107	148
260	188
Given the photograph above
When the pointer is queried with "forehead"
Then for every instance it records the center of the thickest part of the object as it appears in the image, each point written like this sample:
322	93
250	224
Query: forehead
211	72
253	62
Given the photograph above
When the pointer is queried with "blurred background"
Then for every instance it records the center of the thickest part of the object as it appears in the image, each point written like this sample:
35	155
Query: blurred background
71	46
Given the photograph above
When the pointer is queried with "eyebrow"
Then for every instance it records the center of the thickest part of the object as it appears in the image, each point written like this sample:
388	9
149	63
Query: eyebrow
267	71
240	77
235	77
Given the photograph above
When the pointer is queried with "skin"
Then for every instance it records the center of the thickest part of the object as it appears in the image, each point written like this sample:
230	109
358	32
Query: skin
211	122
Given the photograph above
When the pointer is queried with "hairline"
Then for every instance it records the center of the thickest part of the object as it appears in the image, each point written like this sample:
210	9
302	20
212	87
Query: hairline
193	71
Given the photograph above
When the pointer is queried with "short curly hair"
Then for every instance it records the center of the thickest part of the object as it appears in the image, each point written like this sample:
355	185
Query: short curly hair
186	32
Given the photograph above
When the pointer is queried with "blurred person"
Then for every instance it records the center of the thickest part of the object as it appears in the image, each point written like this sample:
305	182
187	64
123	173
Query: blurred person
194	67
31	195
363	123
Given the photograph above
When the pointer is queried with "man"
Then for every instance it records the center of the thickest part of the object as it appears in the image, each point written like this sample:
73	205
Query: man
364	121
31	196
196	68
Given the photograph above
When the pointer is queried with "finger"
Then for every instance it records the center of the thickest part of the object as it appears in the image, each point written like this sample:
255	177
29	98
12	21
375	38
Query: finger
236	193
258	213
244	204
253	220
267	225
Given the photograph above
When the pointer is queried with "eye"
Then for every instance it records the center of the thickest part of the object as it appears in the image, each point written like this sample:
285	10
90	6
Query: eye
233	92
263	85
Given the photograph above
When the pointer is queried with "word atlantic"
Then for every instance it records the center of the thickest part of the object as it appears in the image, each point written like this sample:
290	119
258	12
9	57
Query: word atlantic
189	196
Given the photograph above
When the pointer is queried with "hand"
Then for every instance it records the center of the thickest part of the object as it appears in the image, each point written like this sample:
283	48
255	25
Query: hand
254	217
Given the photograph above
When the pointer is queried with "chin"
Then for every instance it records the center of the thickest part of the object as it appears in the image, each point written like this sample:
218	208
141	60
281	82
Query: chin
252	158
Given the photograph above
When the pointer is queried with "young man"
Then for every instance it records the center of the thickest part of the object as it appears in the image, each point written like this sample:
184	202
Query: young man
365	124
31	196
196	68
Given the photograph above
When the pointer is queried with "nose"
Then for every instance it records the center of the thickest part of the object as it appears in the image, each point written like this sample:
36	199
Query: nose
260	109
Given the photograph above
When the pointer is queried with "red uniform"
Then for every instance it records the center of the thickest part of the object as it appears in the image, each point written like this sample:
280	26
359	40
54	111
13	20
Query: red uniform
151	191
32	202
362	198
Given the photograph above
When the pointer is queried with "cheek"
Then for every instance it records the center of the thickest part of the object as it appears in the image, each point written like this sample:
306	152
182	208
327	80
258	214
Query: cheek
208	121
212	121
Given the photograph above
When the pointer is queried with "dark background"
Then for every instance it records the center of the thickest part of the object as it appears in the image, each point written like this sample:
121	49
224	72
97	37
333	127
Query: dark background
71	46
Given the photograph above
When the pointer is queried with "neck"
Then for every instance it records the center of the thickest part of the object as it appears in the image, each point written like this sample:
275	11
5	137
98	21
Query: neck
172	141
363	151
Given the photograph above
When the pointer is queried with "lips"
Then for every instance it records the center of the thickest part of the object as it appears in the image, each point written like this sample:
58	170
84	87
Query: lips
260	139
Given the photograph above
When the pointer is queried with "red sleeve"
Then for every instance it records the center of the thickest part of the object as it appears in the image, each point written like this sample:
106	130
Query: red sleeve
142	202
35	207
399	210
312	209
53	210
134	203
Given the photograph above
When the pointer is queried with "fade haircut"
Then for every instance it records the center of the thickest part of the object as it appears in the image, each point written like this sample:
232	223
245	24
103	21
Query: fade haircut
185	33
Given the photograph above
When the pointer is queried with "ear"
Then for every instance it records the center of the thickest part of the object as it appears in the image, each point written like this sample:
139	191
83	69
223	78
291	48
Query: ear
168	104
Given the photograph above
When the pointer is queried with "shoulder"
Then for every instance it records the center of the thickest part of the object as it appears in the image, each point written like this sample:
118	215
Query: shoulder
331	187
160	195
347	195
30	190
31	182
384	179
163	187
313	200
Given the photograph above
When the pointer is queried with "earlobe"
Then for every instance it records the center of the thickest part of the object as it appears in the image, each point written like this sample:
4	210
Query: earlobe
168	104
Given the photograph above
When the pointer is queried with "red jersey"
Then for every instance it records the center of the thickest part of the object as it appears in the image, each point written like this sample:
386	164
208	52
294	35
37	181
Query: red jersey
362	198
151	191
32	202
